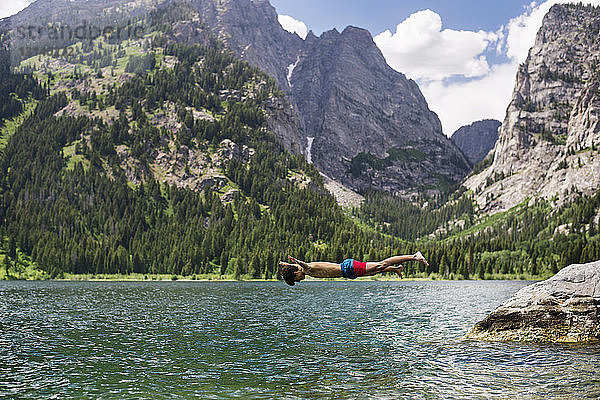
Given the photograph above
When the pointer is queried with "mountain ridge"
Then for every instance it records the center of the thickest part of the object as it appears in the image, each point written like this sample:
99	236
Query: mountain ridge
477	139
154	156
387	111
297	66
547	145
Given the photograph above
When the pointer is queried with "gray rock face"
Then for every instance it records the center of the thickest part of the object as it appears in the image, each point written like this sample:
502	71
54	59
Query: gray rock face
564	308
371	126
87	16
550	137
476	140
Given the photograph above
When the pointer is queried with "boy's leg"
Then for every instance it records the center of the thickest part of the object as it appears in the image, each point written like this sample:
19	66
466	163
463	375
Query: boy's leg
379	267
396	269
395	260
374	271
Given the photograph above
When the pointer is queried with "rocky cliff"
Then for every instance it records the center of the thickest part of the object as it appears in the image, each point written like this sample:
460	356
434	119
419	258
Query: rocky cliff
563	308
548	143
360	122
476	140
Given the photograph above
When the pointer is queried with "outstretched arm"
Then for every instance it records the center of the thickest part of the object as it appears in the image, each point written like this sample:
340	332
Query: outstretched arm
305	266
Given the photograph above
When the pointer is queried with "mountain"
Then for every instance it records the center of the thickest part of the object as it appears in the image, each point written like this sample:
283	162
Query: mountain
164	153
532	206
154	155
476	140
359	121
548	143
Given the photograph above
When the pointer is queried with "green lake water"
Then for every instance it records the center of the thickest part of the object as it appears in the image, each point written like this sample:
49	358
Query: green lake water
318	340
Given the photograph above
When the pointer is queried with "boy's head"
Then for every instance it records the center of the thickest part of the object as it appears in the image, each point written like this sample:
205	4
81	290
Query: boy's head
292	274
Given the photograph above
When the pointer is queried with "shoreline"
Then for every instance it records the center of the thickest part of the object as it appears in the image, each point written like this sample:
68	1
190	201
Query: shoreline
161	278
29	273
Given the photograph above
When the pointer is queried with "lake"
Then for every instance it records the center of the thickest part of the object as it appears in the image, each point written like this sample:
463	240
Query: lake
317	340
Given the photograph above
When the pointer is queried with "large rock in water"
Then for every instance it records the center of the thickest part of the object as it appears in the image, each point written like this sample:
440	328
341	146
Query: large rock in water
564	308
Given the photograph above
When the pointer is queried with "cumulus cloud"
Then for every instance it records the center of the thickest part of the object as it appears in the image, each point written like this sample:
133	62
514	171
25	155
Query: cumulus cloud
422	50
11	7
462	103
292	25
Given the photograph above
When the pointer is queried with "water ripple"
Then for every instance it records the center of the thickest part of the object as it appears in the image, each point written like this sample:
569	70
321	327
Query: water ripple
337	340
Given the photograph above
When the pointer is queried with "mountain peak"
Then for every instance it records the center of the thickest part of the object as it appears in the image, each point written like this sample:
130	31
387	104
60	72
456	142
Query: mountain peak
330	34
349	102
356	32
311	37
477	139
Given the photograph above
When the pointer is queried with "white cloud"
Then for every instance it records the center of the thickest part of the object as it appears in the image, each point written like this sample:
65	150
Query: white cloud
292	25
11	7
462	103
422	50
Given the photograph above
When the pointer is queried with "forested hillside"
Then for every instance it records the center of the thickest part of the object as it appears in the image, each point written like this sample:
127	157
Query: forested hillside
528	240
83	190
153	155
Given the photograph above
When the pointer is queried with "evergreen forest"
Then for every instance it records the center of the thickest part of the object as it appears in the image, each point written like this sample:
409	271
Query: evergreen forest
82	192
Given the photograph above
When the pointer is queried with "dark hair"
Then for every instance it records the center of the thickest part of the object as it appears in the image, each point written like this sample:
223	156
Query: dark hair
287	272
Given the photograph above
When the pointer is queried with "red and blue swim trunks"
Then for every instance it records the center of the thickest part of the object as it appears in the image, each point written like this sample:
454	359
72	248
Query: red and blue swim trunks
353	269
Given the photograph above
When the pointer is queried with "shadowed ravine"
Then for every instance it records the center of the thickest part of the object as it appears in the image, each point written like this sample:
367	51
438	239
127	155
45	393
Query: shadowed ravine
265	340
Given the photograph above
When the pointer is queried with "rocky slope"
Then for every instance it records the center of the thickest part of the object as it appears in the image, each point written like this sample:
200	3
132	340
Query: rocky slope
372	127
50	24
548	143
476	140
360	122
563	308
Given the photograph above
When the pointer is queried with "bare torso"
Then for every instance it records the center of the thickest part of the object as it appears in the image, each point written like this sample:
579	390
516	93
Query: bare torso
323	270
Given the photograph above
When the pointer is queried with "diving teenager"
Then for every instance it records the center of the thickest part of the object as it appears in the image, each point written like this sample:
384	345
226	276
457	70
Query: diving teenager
351	269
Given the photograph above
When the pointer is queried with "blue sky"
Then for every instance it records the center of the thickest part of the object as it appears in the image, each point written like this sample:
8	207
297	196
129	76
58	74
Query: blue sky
379	15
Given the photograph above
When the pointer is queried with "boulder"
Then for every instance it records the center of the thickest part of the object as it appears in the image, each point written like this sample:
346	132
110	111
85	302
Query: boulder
230	195
564	308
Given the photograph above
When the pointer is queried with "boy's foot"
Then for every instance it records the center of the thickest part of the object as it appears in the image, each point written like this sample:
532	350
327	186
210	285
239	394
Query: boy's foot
420	258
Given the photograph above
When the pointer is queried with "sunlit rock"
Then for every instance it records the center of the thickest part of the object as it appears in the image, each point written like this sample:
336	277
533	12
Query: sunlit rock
564	308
